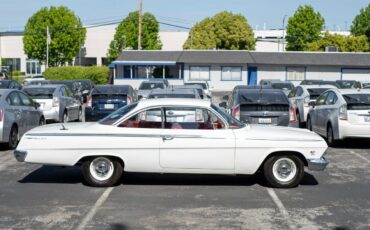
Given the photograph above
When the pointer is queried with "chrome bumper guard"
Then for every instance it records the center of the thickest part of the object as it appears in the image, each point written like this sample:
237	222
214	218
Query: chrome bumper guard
20	155
317	164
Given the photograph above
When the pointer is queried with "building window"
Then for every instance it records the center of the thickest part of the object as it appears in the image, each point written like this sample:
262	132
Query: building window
13	64
162	72
295	73
231	73
199	73
33	67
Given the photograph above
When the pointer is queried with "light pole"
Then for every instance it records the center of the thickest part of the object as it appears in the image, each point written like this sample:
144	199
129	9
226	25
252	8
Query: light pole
283	45
48	40
140	21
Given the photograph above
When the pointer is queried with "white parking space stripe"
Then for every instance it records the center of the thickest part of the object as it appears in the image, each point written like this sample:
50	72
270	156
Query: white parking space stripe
94	209
360	156
281	208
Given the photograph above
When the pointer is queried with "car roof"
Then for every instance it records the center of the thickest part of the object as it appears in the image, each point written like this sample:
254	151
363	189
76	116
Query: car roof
353	91
263	90
174	91
250	87
2	91
318	86
173	102
112	89
44	86
187	87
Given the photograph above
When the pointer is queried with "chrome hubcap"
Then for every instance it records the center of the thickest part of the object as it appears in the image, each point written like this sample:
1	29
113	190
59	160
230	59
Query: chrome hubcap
284	169
101	168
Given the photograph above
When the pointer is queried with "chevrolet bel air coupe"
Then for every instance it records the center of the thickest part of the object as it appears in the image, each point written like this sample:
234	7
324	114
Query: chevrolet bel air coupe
174	136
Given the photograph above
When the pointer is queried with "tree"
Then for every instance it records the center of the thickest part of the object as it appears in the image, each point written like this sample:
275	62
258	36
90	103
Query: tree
361	23
66	33
224	30
343	43
126	35
303	27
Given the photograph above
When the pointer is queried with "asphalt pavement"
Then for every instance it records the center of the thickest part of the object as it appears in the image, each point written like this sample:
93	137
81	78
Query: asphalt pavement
53	197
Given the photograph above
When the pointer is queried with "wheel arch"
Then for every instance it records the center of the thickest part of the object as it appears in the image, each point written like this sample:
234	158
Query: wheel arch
288	152
110	156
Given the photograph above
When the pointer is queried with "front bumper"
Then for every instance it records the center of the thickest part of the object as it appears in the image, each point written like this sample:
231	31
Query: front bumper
317	164
20	155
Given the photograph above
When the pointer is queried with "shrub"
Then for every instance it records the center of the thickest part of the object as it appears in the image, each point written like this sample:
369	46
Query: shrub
18	79
97	74
16	73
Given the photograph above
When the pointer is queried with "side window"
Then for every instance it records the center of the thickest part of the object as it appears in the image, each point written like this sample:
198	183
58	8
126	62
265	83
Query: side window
331	99
13	99
292	93
299	91
68	92
321	99
191	118
148	119
26	101
62	92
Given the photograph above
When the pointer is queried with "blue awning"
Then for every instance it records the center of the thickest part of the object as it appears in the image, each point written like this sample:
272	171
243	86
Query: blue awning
144	63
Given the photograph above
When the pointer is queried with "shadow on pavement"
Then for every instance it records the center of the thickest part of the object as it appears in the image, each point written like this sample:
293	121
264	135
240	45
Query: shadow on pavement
72	175
354	143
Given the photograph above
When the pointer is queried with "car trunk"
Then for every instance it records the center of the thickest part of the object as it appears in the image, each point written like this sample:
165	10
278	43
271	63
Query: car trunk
108	102
267	114
358	108
45	104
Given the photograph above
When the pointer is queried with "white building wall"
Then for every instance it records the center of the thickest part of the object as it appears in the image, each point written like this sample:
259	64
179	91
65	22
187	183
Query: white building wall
276	72
323	73
12	47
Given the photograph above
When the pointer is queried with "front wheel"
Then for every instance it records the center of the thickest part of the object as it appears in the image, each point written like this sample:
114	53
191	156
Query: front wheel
13	138
102	171
283	171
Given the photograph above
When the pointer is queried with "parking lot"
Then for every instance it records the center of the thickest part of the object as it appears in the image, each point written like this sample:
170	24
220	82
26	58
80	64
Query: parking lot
52	197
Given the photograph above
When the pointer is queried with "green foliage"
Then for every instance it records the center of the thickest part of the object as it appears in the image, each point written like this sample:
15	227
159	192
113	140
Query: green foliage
66	33
18	79
16	73
224	30
126	35
303	27
343	43
361	22
97	74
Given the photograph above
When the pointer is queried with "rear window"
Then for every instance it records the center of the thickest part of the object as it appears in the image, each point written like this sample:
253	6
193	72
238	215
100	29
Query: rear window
357	101
315	92
151	85
263	98
366	85
40	93
282	86
345	84
172	96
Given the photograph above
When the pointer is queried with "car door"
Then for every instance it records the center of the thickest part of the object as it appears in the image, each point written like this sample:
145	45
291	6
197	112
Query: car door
15	112
32	114
141	135
196	140
329	113
320	111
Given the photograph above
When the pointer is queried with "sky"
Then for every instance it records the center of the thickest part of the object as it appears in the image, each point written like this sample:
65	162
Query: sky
260	14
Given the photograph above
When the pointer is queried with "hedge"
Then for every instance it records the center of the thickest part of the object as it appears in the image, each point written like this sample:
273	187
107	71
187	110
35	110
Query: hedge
97	74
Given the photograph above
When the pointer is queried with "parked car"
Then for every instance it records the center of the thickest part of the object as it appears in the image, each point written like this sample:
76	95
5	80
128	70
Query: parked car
206	140
302	95
56	102
365	84
3	76
84	88
174	93
197	87
318	82
105	99
285	86
348	84
18	114
40	82
27	80
9	84
204	84
260	106
148	85
341	113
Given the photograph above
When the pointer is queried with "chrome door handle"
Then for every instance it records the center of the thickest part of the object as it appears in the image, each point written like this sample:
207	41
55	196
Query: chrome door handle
167	138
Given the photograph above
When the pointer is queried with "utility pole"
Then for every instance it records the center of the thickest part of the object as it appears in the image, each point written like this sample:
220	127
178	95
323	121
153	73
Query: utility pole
140	22
284	32
47	46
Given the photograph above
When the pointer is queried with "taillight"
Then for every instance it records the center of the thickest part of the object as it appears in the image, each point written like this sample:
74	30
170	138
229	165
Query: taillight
236	112
292	115
88	102
1	115
55	102
129	100
343	112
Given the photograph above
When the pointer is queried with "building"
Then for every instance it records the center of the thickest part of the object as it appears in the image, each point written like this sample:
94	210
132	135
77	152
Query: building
225	69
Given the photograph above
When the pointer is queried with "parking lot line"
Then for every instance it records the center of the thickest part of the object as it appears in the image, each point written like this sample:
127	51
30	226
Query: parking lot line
360	156
281	208
94	209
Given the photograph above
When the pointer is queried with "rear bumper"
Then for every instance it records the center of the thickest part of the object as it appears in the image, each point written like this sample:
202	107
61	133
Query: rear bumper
52	114
20	155
91	115
317	164
347	129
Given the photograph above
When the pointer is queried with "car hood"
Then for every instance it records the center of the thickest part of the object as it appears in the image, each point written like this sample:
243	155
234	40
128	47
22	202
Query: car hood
279	133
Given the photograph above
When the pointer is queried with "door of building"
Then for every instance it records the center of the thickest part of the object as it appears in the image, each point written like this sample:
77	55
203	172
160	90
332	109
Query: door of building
252	75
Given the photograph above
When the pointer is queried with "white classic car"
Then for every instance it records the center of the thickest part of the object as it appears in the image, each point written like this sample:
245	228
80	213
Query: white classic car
174	136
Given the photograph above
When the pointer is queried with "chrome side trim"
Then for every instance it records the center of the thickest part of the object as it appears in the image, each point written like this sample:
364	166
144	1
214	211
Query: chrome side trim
30	135
265	139
20	155
317	164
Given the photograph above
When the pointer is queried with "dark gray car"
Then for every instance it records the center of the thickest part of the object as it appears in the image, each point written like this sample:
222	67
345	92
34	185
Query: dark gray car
18	114
259	106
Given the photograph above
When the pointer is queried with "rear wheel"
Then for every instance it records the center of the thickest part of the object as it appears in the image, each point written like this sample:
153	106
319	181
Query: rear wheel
102	171
13	137
79	114
65	117
283	171
42	121
330	136
309	124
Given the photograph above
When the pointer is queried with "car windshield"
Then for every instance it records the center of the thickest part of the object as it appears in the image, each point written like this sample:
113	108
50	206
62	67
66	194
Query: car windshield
282	86
204	85
171	96
233	123
118	114
151	85
40	93
263	98
345	84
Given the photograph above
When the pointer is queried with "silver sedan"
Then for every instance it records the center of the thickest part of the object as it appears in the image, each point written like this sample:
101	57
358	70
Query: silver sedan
18	114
